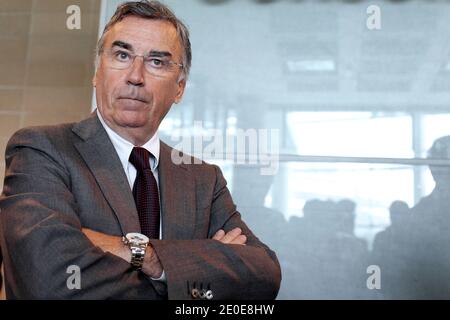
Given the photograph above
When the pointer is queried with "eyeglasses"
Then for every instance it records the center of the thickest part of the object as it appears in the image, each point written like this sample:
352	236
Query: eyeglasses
157	66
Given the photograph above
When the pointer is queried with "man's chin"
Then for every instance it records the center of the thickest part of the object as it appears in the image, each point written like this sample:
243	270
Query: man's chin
134	123
132	120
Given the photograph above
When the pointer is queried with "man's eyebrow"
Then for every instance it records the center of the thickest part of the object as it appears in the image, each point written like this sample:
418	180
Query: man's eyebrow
152	53
155	53
123	45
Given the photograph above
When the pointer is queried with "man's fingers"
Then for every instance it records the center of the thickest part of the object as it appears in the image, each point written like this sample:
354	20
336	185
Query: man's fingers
234	236
219	235
241	239
87	232
231	235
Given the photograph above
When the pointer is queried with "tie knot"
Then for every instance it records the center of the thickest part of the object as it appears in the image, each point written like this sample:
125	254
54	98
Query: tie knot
140	158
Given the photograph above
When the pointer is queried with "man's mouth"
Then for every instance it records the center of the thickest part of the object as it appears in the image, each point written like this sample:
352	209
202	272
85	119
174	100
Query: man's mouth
133	98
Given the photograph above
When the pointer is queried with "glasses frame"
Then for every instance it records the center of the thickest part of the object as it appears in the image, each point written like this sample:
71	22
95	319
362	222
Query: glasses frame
110	54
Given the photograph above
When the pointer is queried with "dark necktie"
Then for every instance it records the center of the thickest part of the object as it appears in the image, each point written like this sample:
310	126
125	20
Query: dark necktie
145	192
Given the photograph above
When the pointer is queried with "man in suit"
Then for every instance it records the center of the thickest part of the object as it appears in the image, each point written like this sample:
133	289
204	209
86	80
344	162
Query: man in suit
105	197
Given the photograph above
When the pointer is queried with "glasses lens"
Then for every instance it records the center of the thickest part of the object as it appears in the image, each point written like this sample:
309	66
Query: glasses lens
157	66
119	59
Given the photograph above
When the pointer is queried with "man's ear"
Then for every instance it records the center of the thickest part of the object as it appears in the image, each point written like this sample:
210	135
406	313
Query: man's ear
180	92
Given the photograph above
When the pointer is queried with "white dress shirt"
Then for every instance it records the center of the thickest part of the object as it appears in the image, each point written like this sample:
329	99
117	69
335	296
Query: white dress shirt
123	149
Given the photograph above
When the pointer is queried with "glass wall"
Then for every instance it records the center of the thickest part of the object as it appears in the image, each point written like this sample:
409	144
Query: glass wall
353	100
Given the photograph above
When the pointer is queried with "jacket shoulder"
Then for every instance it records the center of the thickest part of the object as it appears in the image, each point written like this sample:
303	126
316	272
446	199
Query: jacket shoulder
36	133
47	139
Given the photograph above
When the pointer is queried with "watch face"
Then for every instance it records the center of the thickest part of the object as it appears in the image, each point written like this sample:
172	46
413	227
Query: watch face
137	238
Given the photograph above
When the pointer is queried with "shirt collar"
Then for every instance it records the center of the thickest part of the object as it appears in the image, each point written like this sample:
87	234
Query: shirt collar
124	147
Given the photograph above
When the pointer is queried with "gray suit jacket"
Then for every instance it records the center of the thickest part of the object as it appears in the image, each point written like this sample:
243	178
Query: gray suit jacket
62	178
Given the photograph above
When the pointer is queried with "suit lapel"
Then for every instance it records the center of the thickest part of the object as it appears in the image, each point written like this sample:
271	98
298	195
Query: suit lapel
177	194
104	163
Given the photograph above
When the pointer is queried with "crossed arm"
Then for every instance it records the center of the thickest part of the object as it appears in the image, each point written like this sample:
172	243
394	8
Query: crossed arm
152	266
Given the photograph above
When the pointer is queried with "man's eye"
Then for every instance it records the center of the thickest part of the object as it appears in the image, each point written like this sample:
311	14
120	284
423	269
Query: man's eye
122	55
156	63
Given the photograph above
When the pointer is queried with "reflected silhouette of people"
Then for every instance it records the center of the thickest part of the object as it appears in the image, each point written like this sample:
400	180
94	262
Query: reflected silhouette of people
249	193
330	259
346	208
399	213
389	251
433	209
413	253
430	219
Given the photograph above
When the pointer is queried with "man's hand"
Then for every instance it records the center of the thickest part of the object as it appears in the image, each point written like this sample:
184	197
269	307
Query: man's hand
108	243
234	236
151	267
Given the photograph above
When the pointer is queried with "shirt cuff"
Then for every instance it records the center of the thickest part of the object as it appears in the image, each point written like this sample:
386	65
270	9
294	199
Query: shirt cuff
162	278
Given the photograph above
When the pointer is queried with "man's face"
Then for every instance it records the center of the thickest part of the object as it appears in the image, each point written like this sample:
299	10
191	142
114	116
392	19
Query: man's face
132	101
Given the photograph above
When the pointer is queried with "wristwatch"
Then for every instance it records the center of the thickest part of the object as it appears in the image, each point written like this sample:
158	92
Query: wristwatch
137	243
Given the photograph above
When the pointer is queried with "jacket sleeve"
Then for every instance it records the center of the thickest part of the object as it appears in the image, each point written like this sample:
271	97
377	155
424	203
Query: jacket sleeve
40	232
248	271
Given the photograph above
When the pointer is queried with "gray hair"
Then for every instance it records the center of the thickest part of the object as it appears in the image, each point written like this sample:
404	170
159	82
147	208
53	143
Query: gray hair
150	10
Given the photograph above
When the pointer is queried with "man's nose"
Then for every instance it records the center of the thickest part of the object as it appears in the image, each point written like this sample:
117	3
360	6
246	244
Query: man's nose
135	74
